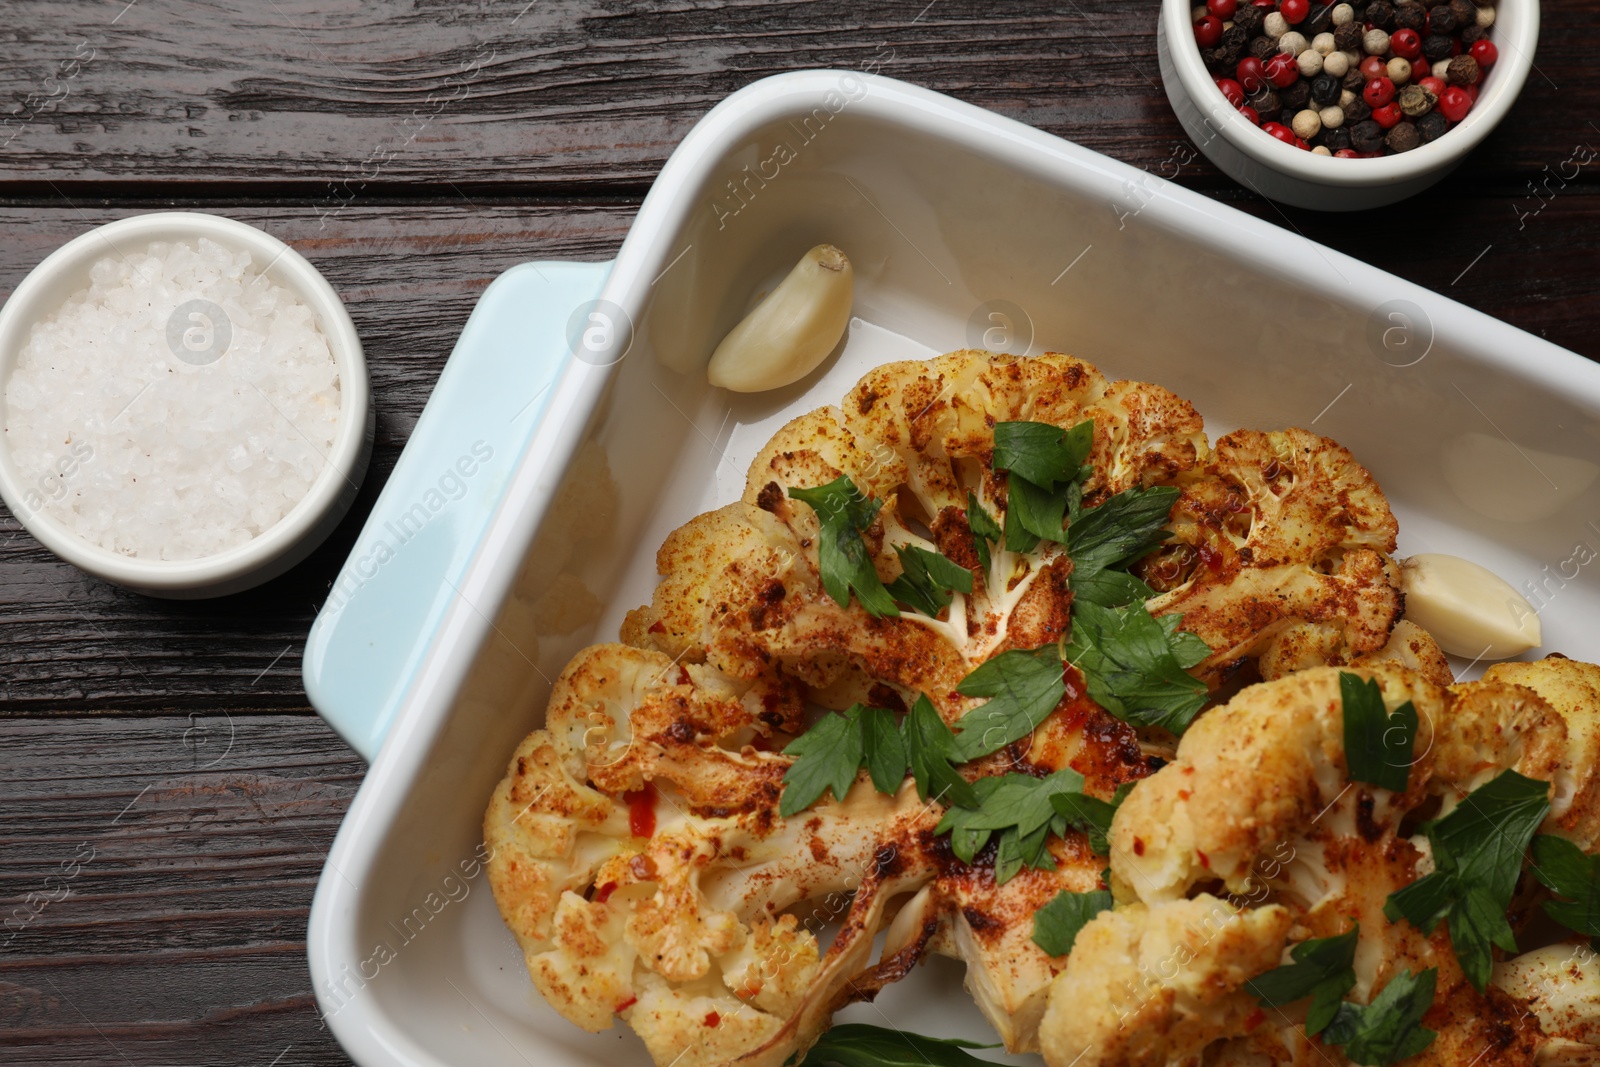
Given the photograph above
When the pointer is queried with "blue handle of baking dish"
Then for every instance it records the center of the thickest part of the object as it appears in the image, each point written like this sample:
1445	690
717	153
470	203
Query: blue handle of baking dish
368	640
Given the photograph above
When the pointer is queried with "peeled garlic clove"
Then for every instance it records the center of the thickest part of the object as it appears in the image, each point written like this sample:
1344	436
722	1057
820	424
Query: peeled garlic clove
1470	610
791	332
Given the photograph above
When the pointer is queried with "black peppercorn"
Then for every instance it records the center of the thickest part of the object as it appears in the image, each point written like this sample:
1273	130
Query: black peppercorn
1380	13
1358	111
1442	20
1415	101
1262	47
1231	48
1403	137
1336	139
1354	80
1465	12
1436	46
1463	71
1249	18
1297	95
1319	21
1407	16
1347	38
1432	126
1264	101
1287	117
1366	136
1325	89
1472	35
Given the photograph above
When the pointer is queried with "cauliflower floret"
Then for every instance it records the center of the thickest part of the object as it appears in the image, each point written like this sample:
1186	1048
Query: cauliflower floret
1280	550
1157	984
1561	984
1573	689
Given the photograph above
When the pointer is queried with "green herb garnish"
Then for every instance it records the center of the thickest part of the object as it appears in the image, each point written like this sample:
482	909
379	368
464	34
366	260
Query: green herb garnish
1390	1028
1103	539
927	580
1323	969
1135	665
1377	745
835	748
860	1045
930	749
1023	687
1056	925
1564	869
1477	856
984	529
1043	460
841	553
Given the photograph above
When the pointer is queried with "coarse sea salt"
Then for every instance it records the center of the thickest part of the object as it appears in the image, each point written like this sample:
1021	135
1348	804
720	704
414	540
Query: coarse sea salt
179	406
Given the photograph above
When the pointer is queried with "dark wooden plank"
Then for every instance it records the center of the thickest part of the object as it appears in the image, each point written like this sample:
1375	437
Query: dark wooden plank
349	98
157	883
410	277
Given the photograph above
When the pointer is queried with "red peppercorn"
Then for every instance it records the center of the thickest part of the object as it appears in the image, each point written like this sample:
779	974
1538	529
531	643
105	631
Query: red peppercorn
1250	74
1250	113
1281	70
1265	3
1472	91
1407	44
1433	85
1484	52
1281	132
1232	91
1302	144
1295	10
1420	68
1208	31
1348	153
1388	116
1454	103
1223	9
1373	67
1378	91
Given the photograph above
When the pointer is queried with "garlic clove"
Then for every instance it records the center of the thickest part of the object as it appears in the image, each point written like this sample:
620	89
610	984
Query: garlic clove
1470	610
790	333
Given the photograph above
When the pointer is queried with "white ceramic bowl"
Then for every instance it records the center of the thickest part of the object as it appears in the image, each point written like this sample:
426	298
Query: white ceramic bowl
66	271
1279	171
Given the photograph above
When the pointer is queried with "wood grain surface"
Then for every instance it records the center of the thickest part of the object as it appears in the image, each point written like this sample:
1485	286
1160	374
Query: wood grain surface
167	797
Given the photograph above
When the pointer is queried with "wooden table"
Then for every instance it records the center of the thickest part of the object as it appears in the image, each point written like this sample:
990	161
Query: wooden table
167	795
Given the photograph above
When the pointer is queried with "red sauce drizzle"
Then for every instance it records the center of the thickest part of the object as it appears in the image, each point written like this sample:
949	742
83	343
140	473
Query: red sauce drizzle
642	810
712	1018
1205	860
1255	1019
658	627
1211	558
603	894
626	1004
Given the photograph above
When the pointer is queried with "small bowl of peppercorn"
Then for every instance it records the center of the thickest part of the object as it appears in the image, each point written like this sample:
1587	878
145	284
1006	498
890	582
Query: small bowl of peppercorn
1343	106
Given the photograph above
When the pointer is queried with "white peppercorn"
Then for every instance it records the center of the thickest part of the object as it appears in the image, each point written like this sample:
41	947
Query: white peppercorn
1375	43
1485	16
1346	98
1293	42
1321	150
1343	13
1198	13
1323	43
1439	68
1275	25
1306	124
1399	70
1309	62
1335	63
1332	117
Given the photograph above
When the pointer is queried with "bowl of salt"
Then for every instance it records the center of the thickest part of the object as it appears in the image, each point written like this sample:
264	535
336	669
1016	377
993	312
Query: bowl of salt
184	403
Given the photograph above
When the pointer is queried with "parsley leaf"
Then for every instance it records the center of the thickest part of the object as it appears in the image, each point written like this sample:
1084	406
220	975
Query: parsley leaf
1023	810
930	748
1390	1028
1323	969
1022	686
1117	532
1109	589
927	578
1377	745
861	1045
1043	460
984	529
1566	871
1042	452
1056	925
841	553
1091	815
1477	856
829	755
1134	664
884	749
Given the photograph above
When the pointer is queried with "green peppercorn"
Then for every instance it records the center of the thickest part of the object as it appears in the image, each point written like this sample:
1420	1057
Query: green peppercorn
1415	101
1463	71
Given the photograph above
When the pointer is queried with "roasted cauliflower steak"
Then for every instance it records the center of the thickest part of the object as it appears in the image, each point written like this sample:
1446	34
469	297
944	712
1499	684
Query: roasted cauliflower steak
640	857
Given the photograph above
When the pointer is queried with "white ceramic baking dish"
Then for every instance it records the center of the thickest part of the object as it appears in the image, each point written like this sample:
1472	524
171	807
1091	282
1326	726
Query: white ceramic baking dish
964	227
